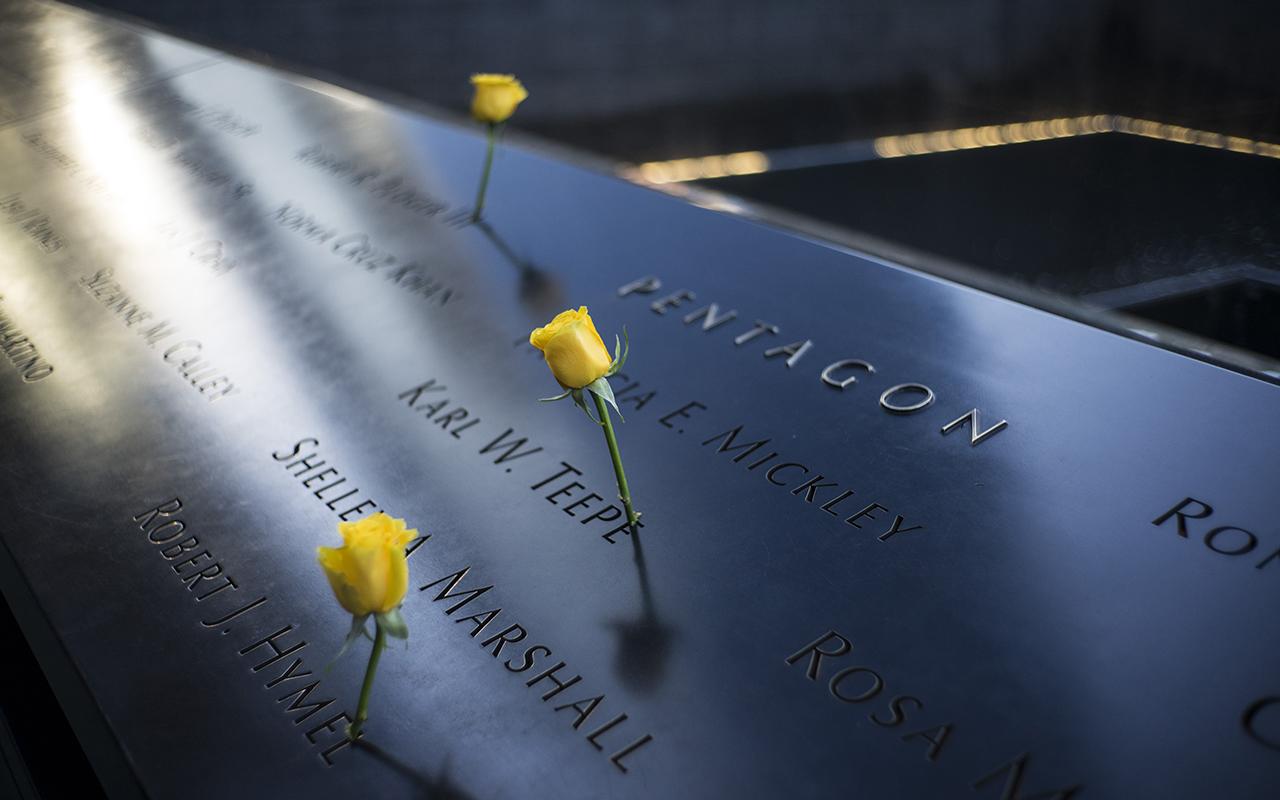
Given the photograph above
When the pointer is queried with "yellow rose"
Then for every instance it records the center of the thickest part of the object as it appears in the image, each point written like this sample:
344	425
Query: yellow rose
573	349
369	573
496	97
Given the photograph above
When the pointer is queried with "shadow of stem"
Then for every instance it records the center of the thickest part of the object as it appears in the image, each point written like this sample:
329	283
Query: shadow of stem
429	787
644	643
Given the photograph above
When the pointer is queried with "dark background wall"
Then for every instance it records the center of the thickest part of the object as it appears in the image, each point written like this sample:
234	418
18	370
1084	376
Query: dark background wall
672	78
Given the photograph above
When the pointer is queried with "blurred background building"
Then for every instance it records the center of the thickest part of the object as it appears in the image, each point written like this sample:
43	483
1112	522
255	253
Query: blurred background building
1112	159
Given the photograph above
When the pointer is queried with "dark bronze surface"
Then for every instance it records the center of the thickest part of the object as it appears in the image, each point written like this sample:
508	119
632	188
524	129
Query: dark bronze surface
269	219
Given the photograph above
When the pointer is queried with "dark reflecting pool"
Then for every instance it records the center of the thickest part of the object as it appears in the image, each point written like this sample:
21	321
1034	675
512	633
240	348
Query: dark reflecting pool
1187	236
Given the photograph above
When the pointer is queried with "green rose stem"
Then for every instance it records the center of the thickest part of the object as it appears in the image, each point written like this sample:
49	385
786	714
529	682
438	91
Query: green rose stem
623	491
484	176
362	710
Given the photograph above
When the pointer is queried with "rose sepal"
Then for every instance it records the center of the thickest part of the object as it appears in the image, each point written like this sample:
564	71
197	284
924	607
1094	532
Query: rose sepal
393	623
357	630
580	400
600	388
620	351
560	396
604	390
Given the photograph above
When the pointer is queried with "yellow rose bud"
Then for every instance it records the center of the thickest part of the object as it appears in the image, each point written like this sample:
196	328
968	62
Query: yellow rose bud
496	97
573	349
369	573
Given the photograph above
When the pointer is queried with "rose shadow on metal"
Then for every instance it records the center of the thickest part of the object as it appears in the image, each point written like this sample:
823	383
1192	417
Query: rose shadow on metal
644	643
538	289
429	787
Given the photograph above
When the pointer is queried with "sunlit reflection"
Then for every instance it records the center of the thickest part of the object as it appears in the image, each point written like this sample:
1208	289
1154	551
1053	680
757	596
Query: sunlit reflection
683	170
1177	133
913	144
93	144
103	134
691	169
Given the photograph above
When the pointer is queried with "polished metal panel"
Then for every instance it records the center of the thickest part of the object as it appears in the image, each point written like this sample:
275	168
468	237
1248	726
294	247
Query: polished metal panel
230	270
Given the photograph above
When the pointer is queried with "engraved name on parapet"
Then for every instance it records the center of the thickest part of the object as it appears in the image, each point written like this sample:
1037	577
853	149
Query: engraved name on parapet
901	399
